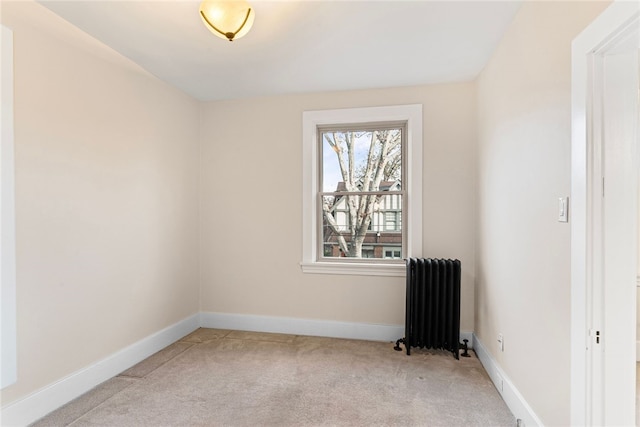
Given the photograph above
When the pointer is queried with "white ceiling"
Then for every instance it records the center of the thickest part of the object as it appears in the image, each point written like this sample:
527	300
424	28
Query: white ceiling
299	46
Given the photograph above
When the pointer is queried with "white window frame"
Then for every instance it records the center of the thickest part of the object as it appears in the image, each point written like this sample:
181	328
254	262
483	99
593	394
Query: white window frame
412	220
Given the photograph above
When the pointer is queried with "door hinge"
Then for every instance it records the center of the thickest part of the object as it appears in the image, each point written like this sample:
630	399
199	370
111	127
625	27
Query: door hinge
596	334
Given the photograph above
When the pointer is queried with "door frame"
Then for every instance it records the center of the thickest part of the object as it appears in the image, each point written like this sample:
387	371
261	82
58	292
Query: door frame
8	367
587	312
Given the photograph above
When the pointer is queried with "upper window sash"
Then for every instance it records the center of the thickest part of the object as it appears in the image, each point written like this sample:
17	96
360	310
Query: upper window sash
312	262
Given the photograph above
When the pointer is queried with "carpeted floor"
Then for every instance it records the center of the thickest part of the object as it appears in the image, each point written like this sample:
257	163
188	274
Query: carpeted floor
230	378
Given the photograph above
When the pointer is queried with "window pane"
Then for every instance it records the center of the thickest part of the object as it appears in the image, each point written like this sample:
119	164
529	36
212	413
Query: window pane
390	220
365	160
356	226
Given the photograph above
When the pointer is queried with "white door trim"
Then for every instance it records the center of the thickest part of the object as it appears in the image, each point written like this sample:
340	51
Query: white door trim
586	231
8	372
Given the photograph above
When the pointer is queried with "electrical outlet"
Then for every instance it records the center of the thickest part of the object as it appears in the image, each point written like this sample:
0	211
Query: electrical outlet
500	342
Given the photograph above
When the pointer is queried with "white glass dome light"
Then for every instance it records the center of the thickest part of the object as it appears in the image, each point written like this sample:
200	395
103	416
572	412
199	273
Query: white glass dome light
227	19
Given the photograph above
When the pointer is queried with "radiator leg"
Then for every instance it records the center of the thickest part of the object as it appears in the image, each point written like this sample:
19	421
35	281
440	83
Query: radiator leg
465	347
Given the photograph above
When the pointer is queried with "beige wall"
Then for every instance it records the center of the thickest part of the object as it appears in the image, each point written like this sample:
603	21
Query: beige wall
523	267
106	200
251	230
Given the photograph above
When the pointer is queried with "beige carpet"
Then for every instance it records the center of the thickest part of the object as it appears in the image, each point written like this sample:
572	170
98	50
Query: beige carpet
231	378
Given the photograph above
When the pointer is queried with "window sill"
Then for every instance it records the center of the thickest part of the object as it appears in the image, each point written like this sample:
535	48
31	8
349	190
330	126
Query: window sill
359	269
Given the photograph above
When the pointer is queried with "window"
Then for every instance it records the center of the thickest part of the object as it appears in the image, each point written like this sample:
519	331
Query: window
362	189
391	252
392	221
361	167
368	252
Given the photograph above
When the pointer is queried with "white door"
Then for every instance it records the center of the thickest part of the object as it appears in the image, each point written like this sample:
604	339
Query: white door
605	116
620	229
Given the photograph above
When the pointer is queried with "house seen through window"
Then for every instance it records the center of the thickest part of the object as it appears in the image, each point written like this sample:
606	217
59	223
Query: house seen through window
362	197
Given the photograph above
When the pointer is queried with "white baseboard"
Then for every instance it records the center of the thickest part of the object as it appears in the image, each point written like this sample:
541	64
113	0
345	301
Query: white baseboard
309	327
512	397
296	326
38	404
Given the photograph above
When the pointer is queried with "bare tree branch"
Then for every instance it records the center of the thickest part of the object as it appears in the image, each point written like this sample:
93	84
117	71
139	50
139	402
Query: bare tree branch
334	227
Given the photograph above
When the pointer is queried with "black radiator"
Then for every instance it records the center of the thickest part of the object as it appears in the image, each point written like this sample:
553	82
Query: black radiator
432	318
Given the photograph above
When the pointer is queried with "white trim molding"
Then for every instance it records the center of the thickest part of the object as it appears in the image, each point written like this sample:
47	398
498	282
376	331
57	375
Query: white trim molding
355	268
38	404
296	326
412	114
510	394
309	327
8	373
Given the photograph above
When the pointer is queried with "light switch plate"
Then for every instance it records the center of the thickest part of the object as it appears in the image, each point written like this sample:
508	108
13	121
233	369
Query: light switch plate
563	209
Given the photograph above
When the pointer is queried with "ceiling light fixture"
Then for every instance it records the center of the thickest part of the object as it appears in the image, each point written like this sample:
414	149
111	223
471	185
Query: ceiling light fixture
227	19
